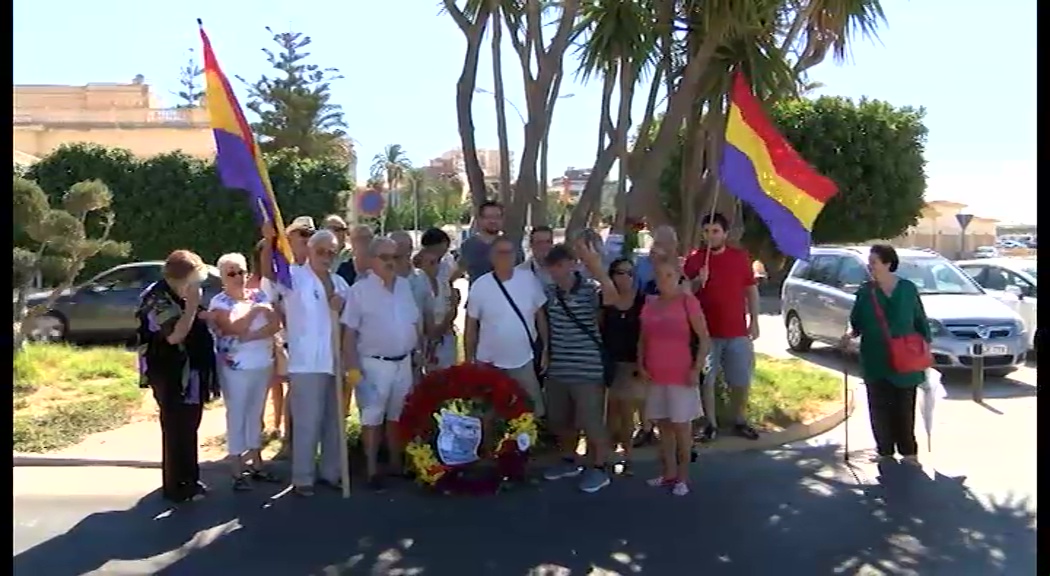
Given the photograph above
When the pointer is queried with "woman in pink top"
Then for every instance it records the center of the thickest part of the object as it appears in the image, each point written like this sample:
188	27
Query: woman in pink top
665	359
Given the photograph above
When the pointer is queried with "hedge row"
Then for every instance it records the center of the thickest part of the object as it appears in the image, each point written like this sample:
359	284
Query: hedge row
174	201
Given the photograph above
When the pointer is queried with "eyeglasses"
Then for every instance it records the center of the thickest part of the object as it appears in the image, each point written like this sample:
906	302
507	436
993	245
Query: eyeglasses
236	273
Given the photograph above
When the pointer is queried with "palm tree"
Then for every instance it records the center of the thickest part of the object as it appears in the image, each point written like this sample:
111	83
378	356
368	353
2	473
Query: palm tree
391	165
696	45
618	43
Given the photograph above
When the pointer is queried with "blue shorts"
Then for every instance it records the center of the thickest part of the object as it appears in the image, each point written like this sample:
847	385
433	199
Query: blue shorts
734	358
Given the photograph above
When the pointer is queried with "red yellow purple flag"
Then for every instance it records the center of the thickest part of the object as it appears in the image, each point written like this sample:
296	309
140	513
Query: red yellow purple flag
762	169
238	159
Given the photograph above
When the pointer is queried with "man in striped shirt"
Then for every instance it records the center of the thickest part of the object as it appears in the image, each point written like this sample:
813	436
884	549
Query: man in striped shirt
575	373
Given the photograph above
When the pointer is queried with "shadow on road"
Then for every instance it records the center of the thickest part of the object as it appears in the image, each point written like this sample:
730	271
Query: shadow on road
785	510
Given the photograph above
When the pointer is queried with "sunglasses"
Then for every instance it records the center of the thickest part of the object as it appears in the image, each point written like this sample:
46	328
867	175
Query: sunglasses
303	233
236	273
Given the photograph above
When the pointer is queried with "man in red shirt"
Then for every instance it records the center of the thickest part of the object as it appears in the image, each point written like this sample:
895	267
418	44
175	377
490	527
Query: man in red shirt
724	282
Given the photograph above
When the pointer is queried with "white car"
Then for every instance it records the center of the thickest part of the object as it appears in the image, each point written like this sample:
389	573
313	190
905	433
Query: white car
1011	280
986	252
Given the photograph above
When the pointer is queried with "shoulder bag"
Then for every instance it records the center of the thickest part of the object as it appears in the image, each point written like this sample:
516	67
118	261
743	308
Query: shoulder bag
608	364
537	342
908	353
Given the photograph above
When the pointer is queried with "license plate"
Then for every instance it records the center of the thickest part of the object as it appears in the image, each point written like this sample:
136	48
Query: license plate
992	350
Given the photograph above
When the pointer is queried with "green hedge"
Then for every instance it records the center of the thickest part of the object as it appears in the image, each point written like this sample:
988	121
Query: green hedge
174	201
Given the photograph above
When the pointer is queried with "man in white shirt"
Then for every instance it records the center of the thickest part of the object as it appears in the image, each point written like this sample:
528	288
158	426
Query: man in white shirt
309	321
385	331
495	333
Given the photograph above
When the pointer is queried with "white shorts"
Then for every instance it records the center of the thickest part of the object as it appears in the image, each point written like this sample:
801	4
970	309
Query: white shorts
381	393
677	403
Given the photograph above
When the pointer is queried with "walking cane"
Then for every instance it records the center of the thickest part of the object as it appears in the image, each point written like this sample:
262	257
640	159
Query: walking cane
340	382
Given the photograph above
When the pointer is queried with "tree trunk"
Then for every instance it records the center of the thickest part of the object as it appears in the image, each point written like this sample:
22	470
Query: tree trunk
644	197
465	86
539	203
605	157
623	127
501	107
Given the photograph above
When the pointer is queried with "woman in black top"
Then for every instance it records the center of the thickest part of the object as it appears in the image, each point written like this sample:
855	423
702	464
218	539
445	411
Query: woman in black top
177	362
620	327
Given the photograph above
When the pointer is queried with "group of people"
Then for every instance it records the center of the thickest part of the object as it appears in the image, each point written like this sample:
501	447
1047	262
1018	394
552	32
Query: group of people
601	345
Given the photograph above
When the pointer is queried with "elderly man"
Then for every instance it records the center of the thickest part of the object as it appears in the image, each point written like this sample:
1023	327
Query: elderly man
299	231
419	283
385	331
541	239
357	265
335	224
311	307
665	243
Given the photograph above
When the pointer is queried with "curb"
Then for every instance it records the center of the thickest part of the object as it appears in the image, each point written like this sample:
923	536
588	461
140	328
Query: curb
769	441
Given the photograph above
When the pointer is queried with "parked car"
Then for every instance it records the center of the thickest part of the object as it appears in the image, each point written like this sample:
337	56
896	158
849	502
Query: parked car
818	295
1012	280
103	308
986	252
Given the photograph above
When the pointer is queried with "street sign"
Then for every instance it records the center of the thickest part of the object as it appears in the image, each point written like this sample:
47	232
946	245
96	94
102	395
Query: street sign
964	220
370	203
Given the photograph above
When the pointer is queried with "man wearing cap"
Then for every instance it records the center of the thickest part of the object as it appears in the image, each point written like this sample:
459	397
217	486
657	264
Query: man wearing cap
299	233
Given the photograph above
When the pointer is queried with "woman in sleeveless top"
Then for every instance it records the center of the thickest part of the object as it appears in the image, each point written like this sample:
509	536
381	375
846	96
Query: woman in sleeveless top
621	324
440	352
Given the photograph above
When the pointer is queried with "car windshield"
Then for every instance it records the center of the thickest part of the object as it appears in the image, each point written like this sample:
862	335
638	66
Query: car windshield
936	276
1030	272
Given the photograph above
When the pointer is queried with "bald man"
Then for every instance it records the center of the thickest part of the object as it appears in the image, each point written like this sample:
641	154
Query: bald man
665	243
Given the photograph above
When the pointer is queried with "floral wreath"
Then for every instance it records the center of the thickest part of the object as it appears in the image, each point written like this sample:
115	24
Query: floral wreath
449	414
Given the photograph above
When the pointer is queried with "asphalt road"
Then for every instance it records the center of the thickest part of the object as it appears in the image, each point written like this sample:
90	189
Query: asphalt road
749	513
970	511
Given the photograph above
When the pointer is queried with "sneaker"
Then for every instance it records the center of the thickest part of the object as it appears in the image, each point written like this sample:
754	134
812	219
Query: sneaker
564	469
680	489
746	431
660	482
593	480
708	434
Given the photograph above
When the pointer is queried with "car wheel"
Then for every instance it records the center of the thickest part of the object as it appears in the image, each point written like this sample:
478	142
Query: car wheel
49	327
796	336
998	372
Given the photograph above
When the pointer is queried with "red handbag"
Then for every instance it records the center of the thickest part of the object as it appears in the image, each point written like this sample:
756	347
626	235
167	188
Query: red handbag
908	353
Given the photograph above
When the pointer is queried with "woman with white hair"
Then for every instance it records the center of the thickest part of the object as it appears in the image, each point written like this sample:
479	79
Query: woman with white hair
245	322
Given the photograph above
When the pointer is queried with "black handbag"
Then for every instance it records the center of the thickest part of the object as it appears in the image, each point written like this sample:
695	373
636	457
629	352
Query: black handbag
537	342
608	364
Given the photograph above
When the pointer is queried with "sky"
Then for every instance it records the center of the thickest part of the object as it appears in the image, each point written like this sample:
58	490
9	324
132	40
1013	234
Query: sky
973	68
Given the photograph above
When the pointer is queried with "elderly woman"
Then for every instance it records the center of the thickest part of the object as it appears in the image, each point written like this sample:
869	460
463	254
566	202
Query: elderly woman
671	321
177	362
245	323
441	330
886	307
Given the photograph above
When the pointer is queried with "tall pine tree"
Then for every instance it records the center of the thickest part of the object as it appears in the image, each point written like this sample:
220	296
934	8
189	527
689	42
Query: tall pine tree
191	92
294	104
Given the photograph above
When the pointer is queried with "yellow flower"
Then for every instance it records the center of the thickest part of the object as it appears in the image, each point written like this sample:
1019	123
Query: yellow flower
421	458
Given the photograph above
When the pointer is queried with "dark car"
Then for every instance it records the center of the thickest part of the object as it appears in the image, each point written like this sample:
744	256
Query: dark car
103	308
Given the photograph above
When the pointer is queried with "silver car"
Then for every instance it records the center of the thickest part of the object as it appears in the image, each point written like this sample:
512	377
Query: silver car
818	295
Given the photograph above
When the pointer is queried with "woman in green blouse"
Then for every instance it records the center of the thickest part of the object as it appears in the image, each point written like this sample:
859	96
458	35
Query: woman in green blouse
891	395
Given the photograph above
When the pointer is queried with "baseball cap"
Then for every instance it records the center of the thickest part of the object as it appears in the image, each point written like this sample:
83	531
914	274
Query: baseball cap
304	223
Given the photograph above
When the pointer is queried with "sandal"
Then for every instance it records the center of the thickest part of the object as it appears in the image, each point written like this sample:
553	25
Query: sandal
241	484
263	476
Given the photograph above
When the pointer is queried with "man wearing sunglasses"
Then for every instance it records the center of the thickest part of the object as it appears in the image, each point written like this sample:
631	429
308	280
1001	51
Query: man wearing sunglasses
335	224
299	233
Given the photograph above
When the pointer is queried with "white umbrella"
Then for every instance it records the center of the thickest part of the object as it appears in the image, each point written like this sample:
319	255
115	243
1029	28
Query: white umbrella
932	391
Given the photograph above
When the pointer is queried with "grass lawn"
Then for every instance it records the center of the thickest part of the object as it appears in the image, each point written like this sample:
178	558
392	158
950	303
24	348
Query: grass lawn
783	392
63	393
